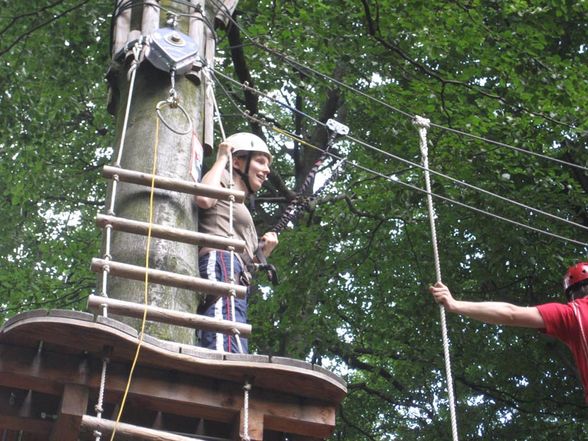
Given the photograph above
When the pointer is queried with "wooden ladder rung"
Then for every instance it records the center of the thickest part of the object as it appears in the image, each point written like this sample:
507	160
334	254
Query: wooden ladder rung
162	315
194	188
168	278
170	233
130	431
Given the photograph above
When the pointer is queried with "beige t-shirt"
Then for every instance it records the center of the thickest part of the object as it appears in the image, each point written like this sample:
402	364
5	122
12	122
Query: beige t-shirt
215	220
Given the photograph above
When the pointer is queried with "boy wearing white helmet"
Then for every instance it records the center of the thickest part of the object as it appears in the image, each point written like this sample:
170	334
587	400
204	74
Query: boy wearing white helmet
567	322
251	162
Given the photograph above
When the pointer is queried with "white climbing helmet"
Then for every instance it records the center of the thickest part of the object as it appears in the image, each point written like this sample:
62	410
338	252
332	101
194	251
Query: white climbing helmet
248	142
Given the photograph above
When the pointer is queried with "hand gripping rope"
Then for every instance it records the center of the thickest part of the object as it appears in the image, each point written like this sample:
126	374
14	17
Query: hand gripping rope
219	337
211	96
422	125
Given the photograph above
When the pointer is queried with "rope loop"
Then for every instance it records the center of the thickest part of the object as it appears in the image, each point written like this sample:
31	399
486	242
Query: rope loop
420	121
422	124
173	104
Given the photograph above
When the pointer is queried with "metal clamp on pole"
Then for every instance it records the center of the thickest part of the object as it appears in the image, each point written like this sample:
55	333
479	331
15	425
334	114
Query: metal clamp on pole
169	49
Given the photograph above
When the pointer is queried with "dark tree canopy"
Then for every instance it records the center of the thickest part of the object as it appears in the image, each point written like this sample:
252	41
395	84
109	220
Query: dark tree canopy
355	268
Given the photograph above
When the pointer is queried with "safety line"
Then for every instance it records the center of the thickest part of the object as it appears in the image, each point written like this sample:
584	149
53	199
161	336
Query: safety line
422	124
210	92
406	161
397	181
301	66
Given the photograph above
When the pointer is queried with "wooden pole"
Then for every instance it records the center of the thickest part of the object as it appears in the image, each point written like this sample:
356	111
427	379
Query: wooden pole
132	201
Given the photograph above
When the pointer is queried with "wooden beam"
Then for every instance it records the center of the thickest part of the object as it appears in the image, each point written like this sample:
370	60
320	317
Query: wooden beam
179	394
162	315
164	183
74	404
134	272
30	425
130	431
170	233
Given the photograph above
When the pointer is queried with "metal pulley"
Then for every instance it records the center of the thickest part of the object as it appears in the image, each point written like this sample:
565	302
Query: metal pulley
169	49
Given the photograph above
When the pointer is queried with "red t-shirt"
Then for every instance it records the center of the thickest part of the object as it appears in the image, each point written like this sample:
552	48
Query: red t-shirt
562	323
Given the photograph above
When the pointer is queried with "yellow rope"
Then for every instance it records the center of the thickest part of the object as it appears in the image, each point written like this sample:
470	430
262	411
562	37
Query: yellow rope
146	291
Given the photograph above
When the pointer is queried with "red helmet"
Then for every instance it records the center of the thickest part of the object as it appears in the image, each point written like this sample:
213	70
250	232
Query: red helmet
575	274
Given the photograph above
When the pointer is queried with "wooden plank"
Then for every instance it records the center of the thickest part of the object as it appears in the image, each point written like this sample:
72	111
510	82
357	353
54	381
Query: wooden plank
181	394
134	272
162	315
30	425
170	233
92	337
193	188
129	431
73	406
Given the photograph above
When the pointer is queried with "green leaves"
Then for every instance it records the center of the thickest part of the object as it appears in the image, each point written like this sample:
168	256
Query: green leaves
355	271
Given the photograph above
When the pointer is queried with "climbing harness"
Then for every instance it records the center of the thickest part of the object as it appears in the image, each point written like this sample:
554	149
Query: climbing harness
422	124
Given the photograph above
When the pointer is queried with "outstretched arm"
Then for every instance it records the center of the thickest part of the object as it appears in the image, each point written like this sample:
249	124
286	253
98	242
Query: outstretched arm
498	313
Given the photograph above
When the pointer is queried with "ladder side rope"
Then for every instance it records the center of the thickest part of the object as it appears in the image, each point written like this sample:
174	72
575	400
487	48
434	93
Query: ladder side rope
137	51
422	124
146	290
210	94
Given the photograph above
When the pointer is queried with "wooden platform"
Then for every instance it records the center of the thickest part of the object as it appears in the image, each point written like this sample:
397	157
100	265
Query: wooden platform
50	388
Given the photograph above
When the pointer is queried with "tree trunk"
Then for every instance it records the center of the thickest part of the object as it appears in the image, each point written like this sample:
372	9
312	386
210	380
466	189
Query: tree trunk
169	208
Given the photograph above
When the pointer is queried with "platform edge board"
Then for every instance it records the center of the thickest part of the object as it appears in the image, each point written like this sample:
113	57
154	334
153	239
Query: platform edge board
334	376
117	324
23	316
248	358
161	344
291	362
198	352
69	313
90	336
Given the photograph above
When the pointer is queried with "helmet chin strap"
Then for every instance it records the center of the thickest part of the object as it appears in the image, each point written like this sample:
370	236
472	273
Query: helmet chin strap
245	174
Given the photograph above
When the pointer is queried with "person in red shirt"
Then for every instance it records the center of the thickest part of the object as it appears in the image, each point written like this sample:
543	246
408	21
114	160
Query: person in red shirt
567	322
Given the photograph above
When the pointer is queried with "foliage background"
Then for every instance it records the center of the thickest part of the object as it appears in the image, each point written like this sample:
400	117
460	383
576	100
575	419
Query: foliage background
355	270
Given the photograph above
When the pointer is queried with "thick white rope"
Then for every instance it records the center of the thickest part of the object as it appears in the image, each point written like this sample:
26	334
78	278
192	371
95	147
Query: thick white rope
99	405
246	390
137	50
422	125
232	291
